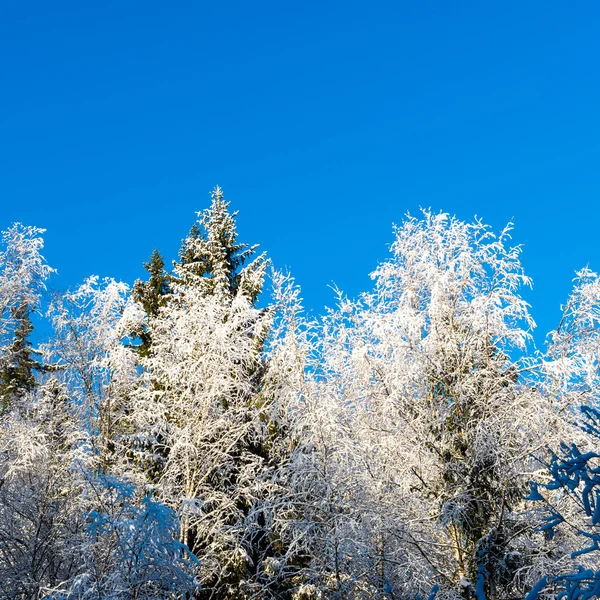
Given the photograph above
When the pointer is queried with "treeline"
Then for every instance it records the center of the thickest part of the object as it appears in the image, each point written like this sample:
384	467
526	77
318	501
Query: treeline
179	439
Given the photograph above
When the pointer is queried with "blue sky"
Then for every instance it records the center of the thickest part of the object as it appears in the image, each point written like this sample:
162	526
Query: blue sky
324	122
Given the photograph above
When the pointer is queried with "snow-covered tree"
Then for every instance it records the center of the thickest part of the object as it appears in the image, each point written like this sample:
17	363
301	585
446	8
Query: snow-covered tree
151	295
571	502
573	355
427	425
23	272
69	532
204	419
127	549
89	350
40	522
569	497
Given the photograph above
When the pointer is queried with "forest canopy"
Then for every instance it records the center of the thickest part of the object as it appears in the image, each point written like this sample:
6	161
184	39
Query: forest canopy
197	435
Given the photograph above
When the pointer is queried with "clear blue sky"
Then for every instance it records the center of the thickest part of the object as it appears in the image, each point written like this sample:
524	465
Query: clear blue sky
324	122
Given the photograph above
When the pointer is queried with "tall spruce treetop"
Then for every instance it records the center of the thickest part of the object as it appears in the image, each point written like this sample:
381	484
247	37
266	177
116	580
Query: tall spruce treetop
201	416
212	258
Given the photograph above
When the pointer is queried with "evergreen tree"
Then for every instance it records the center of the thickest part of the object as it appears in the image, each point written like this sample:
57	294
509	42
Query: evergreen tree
151	294
23	272
18	363
206	405
213	260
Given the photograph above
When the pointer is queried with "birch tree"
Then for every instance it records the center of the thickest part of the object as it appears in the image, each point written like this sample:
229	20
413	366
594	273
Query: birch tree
90	350
434	422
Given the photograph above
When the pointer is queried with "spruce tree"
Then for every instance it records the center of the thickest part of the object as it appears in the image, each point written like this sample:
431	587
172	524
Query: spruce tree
151	294
18	363
23	271
212	259
205	402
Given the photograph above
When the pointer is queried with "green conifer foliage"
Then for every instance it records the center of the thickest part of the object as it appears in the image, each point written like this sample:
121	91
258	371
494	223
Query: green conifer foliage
23	271
19	362
151	294
212	258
